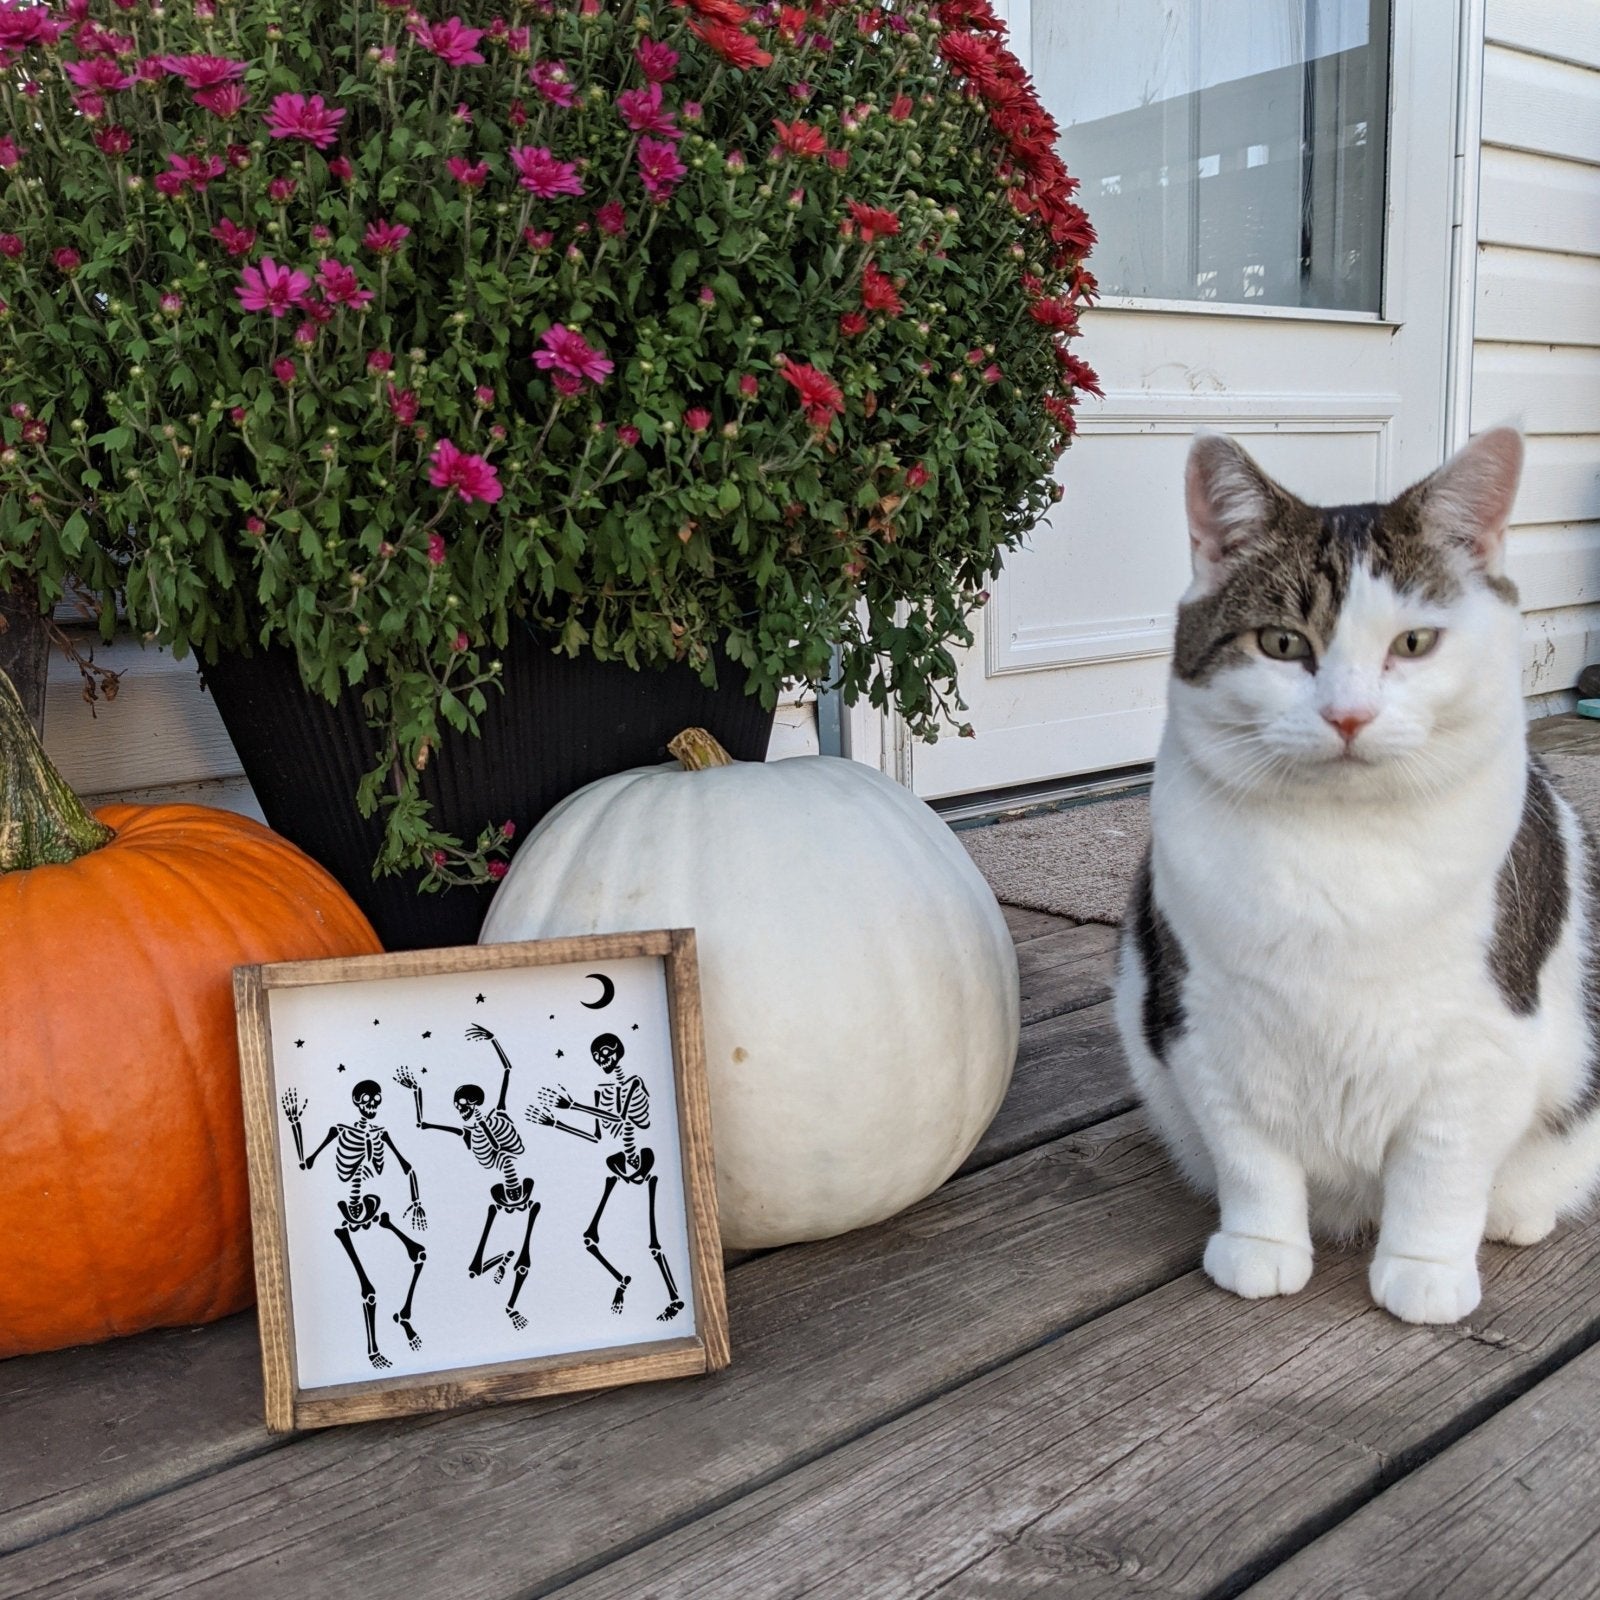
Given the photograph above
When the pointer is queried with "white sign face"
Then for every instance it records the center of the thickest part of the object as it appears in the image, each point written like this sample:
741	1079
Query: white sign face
479	1167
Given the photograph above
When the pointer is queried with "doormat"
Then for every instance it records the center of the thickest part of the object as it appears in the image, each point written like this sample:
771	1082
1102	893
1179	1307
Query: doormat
1080	862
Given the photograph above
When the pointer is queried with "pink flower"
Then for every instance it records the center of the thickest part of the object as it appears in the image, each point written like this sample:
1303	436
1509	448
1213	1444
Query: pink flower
239	416
67	259
748	386
453	42
114	141
196	171
11	247
270	287
341	169
461	641
916	476
340	286
403	406
496	869
171	305
627	434
508	830
468	174
100	74
92	106
553	80
538	240
36	432
517	116
697	419
21	410
171	184
566	350
542	175
380	361
483	395
708	295
10	155
281	190
226	100
285	371
22	26
254	526
692	111
435	549
657	61
306	335
471	477
385	237
297	116
204	72
643	112
321	234
660	170
612	219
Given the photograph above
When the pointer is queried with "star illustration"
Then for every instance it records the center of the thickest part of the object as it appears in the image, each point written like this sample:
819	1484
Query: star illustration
299	1044
374	1022
341	1066
480	1000
559	1054
427	1033
636	1027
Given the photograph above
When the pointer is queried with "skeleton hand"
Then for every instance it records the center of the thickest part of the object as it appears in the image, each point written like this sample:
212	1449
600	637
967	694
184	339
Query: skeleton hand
406	1078
477	1033
293	1106
547	1098
539	1114
417	1217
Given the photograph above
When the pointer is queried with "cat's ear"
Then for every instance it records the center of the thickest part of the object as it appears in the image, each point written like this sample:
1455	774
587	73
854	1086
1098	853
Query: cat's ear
1467	502
1230	502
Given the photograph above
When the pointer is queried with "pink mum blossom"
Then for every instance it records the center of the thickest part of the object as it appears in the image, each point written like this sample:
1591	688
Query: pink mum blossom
471	477
225	100
542	175
281	191
270	287
660	170
469	174
566	384
453	42
341	169
554	81
67	259
697	419
627	434
538	240
235	240
380	361
403	406
91	105
114	141
196	171
385	237
10	155
297	116
99	74
204	72
657	61
643	112
22	26
436	549
612	219
340	286
11	247
566	350
285	371
496	869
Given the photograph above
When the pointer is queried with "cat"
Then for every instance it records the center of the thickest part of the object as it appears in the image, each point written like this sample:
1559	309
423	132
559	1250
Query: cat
1359	974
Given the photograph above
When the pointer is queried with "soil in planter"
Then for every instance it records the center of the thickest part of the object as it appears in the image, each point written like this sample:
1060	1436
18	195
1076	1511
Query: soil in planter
559	724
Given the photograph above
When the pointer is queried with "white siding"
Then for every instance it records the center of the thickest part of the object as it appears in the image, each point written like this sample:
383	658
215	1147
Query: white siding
1536	351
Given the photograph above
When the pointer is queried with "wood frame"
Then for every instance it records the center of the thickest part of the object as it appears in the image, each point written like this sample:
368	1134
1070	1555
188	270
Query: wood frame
290	1407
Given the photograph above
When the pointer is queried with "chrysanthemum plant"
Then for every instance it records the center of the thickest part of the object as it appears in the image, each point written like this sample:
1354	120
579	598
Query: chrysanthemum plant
657	324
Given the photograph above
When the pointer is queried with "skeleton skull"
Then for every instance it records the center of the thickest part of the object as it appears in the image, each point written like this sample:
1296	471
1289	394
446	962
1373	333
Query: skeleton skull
468	1098
367	1097
607	1052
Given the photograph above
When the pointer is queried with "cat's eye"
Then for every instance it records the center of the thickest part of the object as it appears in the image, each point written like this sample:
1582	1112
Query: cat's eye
1283	644
1414	642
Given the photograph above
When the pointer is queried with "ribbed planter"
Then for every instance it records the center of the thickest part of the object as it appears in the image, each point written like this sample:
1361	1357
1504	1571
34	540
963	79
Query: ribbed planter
559	724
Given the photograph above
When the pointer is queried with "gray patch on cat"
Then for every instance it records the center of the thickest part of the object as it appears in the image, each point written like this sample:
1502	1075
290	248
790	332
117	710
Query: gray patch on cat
1531	897
1294	571
1588	1101
1163	961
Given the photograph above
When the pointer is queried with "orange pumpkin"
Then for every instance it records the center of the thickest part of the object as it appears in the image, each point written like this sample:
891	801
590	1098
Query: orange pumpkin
124	1202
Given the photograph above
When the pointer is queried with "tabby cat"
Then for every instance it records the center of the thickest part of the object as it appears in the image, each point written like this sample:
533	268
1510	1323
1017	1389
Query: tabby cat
1360	966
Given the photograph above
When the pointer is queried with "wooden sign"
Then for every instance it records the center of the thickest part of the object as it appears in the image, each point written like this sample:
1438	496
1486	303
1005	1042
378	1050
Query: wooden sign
479	1174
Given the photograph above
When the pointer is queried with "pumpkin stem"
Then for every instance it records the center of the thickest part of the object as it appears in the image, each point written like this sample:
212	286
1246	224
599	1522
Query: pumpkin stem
42	822
697	750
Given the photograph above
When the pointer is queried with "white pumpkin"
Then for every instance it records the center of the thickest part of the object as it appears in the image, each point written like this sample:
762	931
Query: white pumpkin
859	983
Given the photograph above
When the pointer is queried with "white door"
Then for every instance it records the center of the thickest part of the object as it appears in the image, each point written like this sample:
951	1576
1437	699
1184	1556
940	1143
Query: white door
1272	183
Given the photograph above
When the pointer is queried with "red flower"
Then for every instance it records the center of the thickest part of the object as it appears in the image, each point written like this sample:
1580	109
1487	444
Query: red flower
1080	374
800	138
285	371
1054	313
916	476
472	477
748	386
852	323
878	292
612	219
36	432
901	108
820	396
114	141
496	869
11	246
380	361
341	169
697	419
873	222
402	406
729	12
838	159
235	240
735	47
67	259
627	434
435	549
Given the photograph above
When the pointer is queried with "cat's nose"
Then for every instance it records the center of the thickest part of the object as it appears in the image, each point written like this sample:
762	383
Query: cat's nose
1347	720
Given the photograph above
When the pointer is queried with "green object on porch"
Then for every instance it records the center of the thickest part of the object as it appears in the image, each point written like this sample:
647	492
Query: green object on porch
1589	708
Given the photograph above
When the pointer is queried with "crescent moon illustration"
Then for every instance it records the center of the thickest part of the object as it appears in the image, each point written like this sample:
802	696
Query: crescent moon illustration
608	992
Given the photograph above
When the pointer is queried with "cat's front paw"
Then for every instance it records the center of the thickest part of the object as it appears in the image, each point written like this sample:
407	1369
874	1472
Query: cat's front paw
1424	1291
1256	1268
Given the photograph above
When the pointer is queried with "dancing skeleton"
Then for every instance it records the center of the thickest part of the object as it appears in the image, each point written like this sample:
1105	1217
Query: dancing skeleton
358	1159
620	1110
493	1139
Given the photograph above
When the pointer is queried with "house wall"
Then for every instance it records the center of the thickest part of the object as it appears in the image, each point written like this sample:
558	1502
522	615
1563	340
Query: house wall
1536	337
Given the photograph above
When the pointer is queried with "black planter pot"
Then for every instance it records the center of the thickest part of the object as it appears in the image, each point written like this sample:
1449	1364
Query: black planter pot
559	724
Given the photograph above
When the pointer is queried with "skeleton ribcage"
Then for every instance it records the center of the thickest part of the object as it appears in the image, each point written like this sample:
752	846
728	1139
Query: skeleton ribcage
359	1151
494	1140
630	1103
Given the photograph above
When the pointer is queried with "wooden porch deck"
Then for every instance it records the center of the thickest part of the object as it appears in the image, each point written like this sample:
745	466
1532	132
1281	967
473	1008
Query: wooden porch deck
1023	1386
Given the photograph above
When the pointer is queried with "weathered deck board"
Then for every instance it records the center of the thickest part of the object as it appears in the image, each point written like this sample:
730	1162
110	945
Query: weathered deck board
1175	1447
1065	971
101	1427
1025	924
830	1340
1510	1512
